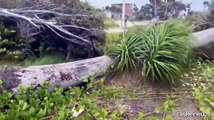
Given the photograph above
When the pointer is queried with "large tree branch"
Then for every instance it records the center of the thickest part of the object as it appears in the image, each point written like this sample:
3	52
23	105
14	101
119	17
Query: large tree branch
38	23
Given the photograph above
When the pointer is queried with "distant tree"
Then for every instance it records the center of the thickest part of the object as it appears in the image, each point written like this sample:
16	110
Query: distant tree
164	9
155	4
210	17
211	5
145	13
206	4
135	8
107	8
116	9
177	7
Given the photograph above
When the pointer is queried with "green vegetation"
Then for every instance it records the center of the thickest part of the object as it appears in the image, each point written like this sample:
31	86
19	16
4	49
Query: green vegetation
109	23
162	52
48	59
11	45
98	101
202	86
31	105
112	39
45	60
128	53
167	50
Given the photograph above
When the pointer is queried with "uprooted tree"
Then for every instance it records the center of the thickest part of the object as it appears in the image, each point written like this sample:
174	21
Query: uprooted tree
68	26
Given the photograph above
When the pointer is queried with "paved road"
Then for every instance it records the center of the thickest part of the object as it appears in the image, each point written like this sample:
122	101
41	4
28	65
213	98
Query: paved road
114	30
129	24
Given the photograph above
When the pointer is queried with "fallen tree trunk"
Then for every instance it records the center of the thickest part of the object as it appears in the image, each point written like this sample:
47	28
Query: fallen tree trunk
65	74
203	43
73	73
203	38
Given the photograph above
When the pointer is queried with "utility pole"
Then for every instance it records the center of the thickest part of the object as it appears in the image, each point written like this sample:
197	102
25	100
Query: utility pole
123	18
123	13
155	10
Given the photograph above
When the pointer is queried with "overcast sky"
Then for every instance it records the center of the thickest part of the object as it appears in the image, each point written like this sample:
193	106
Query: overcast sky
196	4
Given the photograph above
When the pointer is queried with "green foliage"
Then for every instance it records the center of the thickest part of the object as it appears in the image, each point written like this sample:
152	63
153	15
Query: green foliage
76	103
198	21
154	118
110	24
140	116
164	10
47	59
128	54
167	50
167	107
112	40
114	37
203	81
11	46
162	51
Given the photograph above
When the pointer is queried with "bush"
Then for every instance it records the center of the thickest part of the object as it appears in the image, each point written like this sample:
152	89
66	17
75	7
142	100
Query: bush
59	105
162	52
128	53
167	48
11	45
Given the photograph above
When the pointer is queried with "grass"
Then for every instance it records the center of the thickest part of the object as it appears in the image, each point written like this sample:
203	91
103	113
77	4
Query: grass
47	59
114	37
109	23
164	51
112	40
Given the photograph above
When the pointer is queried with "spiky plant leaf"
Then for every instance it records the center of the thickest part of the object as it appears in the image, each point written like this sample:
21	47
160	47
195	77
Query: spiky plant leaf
167	49
161	51
128	54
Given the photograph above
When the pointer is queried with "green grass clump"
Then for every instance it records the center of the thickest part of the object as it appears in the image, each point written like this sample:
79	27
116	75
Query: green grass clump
43	60
47	59
162	51
112	40
114	37
110	24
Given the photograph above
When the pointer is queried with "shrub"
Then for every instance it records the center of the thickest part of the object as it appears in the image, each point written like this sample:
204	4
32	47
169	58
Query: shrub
128	54
11	45
163	51
167	48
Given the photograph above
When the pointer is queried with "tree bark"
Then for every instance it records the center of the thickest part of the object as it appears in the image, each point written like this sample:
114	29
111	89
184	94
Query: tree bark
64	74
203	44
